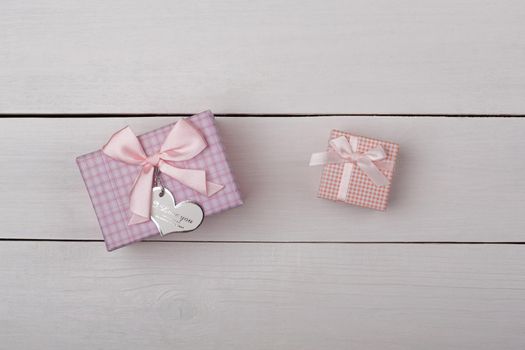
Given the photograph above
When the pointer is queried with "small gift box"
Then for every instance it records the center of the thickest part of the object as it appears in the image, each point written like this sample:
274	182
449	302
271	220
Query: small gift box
357	170
186	157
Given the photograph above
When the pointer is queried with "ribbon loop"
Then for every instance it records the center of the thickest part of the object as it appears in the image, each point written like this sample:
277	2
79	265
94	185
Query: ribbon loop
343	150
183	142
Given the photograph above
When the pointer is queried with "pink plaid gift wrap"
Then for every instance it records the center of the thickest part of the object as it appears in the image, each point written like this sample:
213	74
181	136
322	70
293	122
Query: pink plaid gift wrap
109	182
362	191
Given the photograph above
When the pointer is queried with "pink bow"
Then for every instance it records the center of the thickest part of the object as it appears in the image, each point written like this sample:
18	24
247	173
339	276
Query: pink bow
182	143
344	151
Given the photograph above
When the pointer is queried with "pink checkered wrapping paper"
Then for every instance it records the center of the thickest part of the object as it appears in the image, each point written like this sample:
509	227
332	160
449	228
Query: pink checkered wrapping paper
361	191
109	183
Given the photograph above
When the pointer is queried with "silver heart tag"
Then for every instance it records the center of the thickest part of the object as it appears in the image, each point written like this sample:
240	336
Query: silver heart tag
184	217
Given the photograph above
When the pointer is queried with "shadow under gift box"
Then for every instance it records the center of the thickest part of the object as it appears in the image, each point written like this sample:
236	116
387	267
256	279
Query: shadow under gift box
109	183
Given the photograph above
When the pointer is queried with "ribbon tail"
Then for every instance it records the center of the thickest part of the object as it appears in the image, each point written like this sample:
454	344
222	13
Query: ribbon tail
192	178
137	219
342	192
318	158
140	197
386	165
369	168
213	188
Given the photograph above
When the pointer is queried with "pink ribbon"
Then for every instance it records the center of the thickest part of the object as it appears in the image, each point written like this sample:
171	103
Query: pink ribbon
182	143
343	150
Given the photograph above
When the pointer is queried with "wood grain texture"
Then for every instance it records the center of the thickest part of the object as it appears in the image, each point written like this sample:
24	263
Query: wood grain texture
262	56
458	179
59	295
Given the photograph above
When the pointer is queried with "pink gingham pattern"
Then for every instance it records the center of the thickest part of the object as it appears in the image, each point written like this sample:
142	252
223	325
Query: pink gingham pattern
361	191
109	182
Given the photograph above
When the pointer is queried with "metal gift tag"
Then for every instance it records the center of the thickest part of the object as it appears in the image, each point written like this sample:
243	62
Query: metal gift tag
170	217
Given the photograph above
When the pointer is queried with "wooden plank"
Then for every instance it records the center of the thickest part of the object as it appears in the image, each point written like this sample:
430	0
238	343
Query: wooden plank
458	179
262	56
261	296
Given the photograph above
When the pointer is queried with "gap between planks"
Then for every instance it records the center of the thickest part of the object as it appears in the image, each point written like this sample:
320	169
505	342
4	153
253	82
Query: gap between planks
252	115
267	242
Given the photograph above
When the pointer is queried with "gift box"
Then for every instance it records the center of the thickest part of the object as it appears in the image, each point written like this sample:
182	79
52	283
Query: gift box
357	170
109	180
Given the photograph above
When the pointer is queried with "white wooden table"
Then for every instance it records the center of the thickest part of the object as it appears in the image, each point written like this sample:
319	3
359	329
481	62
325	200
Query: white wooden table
443	268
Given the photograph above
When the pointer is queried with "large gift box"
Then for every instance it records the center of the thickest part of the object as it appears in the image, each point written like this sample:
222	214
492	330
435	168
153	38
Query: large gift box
109	180
357	170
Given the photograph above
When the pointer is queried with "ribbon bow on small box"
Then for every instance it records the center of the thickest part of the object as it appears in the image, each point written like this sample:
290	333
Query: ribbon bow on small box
365	175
